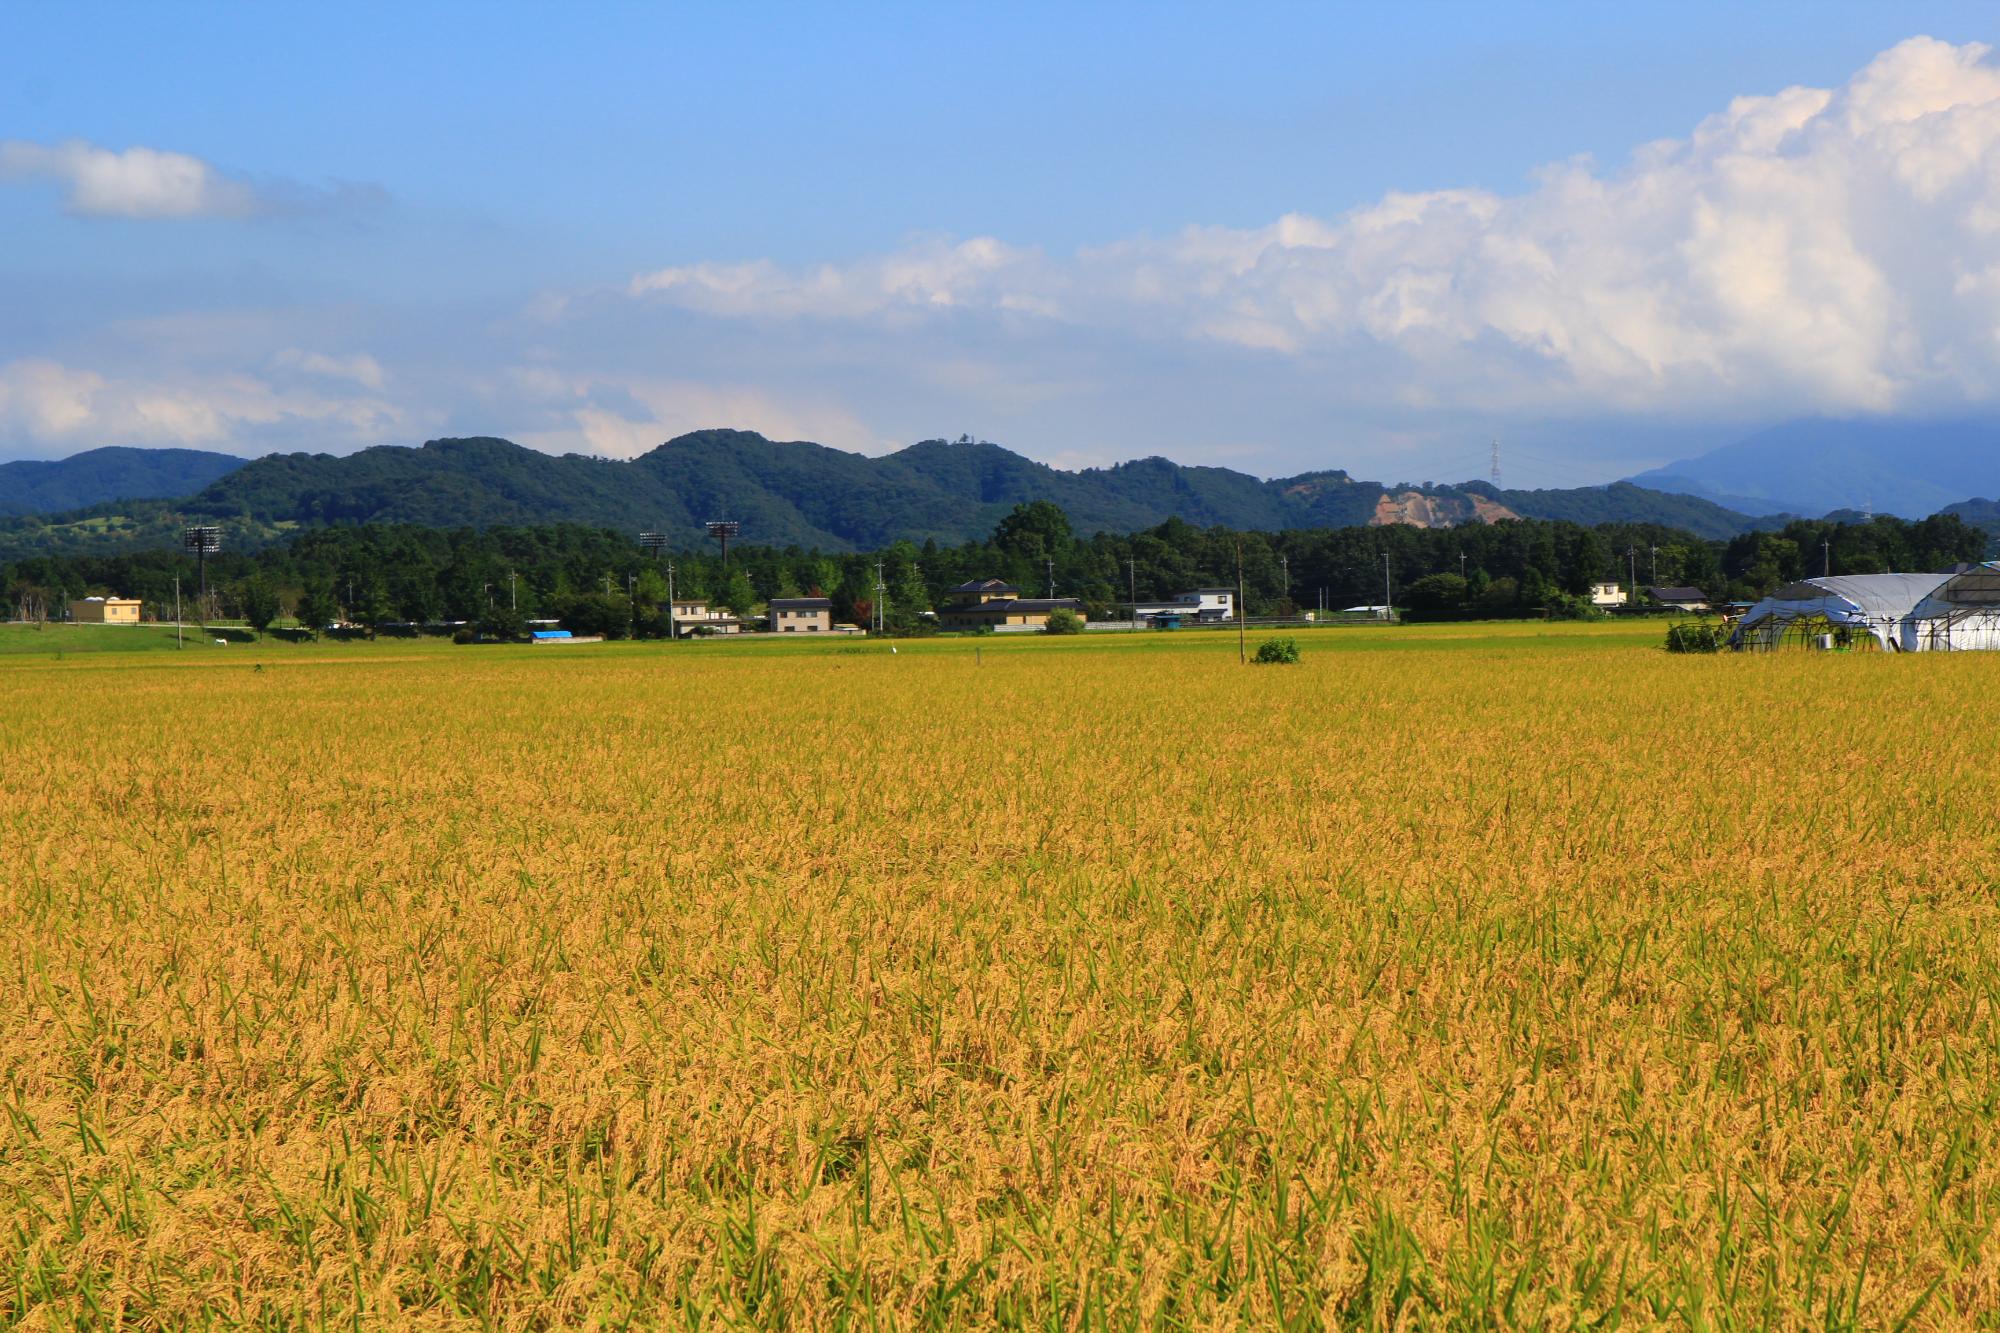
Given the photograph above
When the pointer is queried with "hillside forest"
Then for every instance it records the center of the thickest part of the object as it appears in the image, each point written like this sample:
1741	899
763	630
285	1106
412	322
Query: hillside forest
598	580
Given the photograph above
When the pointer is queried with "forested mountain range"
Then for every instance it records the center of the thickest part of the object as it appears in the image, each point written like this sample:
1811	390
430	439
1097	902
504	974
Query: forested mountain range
808	495
114	473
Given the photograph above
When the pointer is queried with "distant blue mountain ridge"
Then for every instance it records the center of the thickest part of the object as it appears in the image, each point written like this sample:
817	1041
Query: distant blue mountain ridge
1908	468
98	476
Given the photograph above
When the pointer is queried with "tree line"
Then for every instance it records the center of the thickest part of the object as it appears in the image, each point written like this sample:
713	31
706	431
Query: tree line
600	581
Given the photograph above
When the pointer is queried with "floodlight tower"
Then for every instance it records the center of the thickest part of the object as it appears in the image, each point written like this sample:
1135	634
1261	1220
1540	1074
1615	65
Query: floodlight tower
722	532
202	541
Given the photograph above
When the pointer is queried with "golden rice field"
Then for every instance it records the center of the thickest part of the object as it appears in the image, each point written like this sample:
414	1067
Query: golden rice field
1476	976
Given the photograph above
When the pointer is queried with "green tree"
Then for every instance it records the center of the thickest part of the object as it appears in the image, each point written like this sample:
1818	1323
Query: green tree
738	594
259	601
1062	620
651	589
1436	592
1034	531
502	624
317	607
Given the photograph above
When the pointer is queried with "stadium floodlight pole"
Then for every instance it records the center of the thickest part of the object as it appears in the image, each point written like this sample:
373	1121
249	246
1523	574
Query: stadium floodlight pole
722	531
203	540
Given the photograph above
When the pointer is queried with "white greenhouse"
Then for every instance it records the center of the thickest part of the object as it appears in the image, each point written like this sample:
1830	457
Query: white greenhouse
1961	614
1846	611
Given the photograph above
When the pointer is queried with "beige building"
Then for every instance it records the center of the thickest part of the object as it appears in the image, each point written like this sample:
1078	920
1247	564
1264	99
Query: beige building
105	611
801	615
693	616
999	604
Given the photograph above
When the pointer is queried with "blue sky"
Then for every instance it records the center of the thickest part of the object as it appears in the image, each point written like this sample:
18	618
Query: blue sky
1059	227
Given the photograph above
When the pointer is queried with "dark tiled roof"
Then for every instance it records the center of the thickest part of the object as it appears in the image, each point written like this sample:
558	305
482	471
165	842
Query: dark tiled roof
801	603
986	585
1678	594
1012	604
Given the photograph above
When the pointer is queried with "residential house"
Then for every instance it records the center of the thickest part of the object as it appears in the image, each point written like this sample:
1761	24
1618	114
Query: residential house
998	604
801	615
1607	594
691	615
1680	599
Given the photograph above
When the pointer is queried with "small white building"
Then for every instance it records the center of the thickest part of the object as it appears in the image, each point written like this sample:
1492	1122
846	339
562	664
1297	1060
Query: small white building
1203	606
1607	594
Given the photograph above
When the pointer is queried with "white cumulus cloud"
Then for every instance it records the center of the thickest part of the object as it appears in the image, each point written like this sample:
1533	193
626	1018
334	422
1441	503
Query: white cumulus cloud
141	182
52	404
360	368
1812	249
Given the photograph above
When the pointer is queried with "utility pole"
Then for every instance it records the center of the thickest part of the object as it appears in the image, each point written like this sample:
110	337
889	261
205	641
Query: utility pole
655	544
1461	564
1242	647
178	642
1285	564
1051	562
1656	566
631	601
513	597
881	595
1388	597
1632	559
1132	572
1826	557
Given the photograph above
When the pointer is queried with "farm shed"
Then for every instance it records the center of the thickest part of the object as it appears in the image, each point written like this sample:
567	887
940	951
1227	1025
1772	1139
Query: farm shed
1852	610
1961	614
105	611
